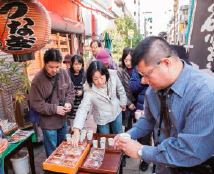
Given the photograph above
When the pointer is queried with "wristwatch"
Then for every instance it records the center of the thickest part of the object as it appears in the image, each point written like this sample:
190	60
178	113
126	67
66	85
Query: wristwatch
140	152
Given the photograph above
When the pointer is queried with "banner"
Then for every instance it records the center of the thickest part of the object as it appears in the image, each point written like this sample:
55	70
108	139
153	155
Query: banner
202	37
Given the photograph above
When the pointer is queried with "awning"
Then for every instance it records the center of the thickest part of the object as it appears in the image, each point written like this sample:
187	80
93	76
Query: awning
63	24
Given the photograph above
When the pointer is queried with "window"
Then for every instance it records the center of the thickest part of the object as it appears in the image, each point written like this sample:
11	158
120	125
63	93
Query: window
135	13
134	1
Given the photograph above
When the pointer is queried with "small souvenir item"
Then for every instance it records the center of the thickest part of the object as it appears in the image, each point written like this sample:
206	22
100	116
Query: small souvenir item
89	136
110	141
96	157
54	160
102	144
95	143
92	164
71	157
58	155
98	151
96	154
69	162
83	131
103	138
90	131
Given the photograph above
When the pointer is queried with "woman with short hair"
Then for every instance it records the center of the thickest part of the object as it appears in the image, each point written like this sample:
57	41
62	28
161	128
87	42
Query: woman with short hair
101	91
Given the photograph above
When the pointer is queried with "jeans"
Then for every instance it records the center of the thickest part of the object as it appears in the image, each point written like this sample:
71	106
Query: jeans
53	138
115	125
1	167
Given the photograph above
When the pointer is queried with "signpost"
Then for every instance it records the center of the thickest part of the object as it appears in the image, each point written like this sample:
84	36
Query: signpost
131	34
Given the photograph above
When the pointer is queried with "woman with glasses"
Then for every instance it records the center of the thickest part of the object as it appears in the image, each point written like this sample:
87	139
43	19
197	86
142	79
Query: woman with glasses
101	91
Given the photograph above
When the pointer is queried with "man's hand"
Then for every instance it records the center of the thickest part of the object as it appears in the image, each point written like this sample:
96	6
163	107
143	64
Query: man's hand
67	107
115	141
75	137
129	146
123	108
132	107
3	145
61	110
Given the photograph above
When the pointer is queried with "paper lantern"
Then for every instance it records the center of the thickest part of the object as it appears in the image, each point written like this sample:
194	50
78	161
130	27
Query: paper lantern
25	26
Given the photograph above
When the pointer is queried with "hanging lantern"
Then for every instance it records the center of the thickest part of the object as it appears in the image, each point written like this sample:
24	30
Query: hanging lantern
25	27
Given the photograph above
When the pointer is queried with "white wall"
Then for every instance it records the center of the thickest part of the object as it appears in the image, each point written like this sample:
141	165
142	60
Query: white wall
103	23
86	14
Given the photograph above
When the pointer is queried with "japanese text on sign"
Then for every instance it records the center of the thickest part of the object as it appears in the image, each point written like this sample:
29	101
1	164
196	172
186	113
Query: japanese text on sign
209	26
19	35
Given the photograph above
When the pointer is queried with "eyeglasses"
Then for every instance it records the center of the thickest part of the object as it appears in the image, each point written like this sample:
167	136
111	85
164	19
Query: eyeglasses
94	47
149	72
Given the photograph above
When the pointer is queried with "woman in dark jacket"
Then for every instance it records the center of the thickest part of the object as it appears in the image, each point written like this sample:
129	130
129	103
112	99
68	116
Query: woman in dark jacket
139	90
124	73
77	74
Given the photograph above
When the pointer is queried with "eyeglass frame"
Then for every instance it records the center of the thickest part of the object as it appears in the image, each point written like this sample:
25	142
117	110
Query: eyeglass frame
151	70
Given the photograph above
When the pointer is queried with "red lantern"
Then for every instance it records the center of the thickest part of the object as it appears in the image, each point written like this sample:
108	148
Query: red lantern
25	26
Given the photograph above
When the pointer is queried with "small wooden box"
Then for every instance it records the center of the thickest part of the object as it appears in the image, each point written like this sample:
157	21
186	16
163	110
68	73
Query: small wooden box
63	168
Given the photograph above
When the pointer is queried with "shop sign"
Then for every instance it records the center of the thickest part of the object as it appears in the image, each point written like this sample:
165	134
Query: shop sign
24	26
202	37
131	33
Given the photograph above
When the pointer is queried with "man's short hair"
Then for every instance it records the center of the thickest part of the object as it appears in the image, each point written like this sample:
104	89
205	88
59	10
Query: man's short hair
99	44
151	50
53	55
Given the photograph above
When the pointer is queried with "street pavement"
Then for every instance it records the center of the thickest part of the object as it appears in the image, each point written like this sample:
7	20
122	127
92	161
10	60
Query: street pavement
132	165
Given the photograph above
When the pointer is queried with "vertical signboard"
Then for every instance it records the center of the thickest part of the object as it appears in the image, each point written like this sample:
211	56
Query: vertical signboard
202	37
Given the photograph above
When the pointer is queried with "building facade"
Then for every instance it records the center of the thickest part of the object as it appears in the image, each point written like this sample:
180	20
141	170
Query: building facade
177	26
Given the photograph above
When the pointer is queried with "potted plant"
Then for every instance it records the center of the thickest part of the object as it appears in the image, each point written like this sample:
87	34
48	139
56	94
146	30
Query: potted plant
14	83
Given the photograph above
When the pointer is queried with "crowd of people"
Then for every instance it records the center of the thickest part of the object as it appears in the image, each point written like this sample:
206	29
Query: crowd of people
151	75
155	80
